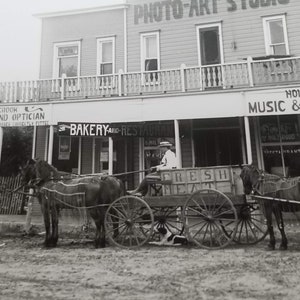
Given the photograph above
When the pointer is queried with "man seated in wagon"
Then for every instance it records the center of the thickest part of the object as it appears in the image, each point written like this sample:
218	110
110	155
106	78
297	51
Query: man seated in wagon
168	161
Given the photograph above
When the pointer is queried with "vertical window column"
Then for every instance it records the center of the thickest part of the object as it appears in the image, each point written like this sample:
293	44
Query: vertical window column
150	56
275	32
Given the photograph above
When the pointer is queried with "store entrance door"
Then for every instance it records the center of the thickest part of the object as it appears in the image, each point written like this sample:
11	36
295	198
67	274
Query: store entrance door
216	147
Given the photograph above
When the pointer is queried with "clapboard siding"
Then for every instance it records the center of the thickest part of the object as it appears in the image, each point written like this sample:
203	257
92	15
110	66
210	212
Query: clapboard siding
243	27
86	28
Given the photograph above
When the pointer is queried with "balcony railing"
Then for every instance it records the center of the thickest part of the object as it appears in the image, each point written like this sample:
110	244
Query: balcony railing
244	74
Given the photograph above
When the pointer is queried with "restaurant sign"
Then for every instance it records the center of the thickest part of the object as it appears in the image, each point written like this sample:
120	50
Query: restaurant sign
285	103
25	115
117	129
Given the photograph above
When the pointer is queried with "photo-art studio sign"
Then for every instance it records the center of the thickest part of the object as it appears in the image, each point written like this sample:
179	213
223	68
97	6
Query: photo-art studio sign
167	10
116	129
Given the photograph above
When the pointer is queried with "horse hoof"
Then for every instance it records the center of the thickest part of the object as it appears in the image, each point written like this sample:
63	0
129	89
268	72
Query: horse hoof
270	247
283	247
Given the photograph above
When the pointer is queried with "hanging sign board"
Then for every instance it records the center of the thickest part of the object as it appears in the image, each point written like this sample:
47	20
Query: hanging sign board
64	148
280	102
25	115
117	129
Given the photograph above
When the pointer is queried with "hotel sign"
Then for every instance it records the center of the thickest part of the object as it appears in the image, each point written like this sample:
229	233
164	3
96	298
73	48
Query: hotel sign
25	115
285	103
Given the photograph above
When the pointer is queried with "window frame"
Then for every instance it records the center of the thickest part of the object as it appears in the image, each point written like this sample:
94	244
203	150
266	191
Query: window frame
143	38
100	42
56	57
210	25
267	33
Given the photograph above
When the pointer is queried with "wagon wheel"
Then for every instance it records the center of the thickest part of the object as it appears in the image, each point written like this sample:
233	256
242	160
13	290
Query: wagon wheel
129	222
252	226
206	213
169	217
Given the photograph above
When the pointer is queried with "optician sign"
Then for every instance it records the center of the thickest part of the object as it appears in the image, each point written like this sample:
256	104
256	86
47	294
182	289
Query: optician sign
25	115
283	102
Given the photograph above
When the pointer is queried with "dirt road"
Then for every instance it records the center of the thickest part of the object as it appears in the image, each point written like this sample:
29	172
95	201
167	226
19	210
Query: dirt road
75	270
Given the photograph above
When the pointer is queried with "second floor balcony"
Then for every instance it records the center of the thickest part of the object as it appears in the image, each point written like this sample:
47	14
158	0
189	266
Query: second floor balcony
245	74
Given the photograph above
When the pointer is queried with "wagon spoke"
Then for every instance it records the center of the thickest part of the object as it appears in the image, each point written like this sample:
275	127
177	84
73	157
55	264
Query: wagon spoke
120	212
241	230
171	226
256	226
252	230
196	211
198	205
120	232
116	216
223	212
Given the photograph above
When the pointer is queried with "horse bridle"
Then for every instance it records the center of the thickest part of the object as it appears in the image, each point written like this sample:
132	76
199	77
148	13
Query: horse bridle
261	178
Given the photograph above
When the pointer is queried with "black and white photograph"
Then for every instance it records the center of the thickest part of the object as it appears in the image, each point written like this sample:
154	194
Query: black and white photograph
150	149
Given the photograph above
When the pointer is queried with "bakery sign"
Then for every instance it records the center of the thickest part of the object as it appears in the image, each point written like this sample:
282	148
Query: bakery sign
25	115
284	102
116	129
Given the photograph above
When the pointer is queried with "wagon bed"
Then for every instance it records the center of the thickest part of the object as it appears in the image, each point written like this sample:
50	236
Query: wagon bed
205	204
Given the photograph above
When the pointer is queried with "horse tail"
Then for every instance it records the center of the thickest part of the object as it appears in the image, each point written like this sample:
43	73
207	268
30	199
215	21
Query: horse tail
121	187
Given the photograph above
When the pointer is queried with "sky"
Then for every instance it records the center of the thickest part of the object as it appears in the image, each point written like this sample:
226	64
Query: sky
20	33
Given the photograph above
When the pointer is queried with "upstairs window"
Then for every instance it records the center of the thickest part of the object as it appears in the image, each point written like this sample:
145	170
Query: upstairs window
209	43
66	59
150	52
106	56
275	32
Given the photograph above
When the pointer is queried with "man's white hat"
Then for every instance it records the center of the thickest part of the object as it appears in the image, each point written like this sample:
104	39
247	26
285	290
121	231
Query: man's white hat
165	144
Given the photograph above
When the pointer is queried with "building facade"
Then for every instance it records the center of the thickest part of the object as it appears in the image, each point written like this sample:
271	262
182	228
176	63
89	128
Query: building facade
218	79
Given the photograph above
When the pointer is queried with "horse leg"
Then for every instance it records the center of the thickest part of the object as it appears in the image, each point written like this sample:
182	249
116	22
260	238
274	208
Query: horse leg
46	215
280	224
54	220
100	234
268	211
99	222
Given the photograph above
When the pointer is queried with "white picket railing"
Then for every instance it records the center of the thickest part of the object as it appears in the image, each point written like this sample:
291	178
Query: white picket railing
244	74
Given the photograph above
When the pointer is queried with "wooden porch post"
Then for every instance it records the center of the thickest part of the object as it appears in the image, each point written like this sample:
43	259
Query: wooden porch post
248	141
1	141
110	155
177	144
33	143
50	144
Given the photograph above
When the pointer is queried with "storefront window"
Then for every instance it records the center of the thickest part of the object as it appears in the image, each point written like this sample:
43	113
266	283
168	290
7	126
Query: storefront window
217	142
66	59
280	139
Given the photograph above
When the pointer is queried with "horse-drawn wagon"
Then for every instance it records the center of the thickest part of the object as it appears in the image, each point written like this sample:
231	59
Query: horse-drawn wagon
206	204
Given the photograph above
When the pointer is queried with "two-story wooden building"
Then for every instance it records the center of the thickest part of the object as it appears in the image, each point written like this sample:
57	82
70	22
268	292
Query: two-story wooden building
218	79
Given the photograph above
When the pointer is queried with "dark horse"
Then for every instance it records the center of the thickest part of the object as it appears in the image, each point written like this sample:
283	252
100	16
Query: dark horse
268	187
56	190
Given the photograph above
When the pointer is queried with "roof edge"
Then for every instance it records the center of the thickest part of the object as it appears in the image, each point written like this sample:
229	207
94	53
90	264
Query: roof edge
80	11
